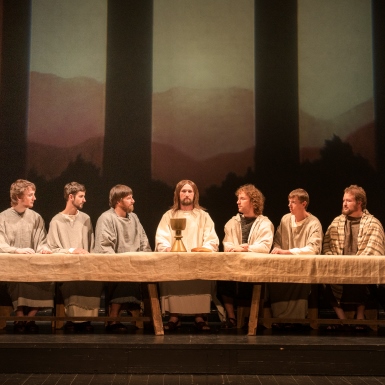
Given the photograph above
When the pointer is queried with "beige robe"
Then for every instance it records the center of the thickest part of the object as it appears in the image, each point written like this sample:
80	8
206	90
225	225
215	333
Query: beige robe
290	300
81	298
25	230
260	237
187	297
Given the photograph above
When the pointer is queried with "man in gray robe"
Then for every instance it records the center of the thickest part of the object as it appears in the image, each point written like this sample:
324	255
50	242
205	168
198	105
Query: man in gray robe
299	233
118	230
22	231
71	232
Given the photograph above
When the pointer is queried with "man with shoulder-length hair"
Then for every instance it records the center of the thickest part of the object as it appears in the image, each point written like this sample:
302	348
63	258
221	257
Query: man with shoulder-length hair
71	232
248	231
354	232
187	297
118	230
22	231
299	233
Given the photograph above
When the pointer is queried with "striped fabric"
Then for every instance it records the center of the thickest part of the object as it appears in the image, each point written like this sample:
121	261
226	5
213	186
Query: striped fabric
370	236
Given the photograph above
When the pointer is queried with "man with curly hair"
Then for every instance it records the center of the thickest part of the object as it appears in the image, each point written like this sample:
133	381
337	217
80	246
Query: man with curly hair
299	233
247	231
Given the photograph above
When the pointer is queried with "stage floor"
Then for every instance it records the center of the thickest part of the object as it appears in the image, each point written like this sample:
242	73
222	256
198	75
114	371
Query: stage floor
193	357
186	379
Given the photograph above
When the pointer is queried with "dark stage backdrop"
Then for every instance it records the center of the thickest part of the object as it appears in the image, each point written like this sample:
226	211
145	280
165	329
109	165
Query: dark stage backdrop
281	94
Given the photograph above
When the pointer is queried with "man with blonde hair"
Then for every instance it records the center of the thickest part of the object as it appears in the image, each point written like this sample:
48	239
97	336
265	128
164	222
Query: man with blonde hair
118	230
354	232
187	297
71	232
299	233
22	231
248	231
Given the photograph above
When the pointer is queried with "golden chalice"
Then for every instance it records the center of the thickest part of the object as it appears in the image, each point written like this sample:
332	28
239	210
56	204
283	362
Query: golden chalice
178	224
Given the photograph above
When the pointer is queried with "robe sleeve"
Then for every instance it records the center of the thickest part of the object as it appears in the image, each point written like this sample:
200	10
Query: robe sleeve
144	243
53	239
40	236
5	246
263	238
313	242
105	239
163	237
210	237
231	238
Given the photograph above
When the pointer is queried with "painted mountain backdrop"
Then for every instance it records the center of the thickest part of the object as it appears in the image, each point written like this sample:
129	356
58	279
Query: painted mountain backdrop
197	134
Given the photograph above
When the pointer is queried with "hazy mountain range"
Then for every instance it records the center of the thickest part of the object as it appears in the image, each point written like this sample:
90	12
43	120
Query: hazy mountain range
65	112
355	127
197	134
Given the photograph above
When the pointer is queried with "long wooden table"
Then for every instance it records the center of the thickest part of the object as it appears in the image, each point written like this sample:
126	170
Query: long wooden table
157	267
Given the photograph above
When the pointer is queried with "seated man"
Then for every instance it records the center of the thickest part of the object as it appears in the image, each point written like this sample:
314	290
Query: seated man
299	233
354	232
250	231
118	230
22	231
187	297
71	232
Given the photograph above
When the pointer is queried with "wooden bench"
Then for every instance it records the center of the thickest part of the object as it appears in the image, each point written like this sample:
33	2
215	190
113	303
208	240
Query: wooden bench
58	318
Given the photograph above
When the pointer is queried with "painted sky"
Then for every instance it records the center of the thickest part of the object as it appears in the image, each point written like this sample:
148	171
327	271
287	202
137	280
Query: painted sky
209	44
69	38
335	55
203	44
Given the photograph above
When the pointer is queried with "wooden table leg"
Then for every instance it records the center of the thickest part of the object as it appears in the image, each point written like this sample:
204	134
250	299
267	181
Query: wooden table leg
6	307
312	312
59	308
254	309
155	309
5	311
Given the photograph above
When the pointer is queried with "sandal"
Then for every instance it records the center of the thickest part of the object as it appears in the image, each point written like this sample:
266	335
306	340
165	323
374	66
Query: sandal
171	326
19	327
229	323
84	327
116	328
336	328
202	326
361	328
31	327
277	326
69	327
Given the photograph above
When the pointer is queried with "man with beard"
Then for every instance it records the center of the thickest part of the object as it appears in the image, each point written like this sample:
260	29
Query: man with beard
299	233
354	232
248	231
118	230
71	232
187	297
22	231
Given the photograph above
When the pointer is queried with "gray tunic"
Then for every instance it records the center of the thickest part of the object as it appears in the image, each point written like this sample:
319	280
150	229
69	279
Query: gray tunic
25	230
349	294
114	234
75	231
